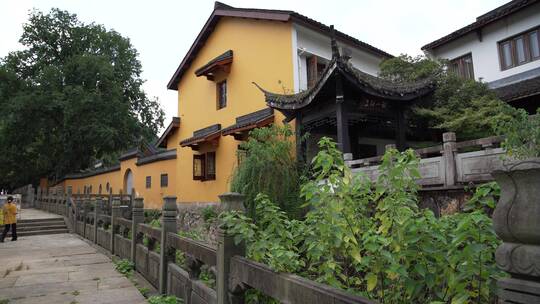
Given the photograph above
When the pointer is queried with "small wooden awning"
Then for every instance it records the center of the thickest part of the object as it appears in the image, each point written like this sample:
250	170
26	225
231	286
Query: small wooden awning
220	63
209	134
249	122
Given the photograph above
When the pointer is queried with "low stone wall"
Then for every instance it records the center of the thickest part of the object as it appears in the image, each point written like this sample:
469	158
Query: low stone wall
444	202
196	219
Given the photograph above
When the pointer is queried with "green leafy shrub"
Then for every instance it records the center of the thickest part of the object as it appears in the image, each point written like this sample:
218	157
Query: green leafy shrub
124	266
269	167
164	300
465	106
151	214
371	238
522	134
209	214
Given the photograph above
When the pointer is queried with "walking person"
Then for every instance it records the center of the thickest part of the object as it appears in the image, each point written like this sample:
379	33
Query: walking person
10	219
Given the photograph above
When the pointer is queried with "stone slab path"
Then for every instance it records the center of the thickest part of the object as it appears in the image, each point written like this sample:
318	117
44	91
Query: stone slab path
60	268
34	214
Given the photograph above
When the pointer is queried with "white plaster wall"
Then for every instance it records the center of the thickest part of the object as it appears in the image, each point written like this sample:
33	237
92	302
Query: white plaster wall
309	42
485	54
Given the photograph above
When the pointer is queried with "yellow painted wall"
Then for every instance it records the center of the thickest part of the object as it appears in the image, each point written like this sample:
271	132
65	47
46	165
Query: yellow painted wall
153	197
113	178
263	54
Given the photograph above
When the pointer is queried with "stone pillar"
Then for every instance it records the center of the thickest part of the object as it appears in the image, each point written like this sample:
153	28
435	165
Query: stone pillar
75	207
516	220
38	197
67	197
168	224
226	250
31	198
232	201
137	218
449	150
97	212
115	212
389	147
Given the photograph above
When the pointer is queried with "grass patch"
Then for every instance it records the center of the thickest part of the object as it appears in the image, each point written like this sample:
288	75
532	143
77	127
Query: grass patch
164	300
4	301
144	291
125	267
76	293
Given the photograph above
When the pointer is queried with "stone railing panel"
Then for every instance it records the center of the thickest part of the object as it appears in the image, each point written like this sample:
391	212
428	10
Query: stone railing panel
286	288
477	166
432	171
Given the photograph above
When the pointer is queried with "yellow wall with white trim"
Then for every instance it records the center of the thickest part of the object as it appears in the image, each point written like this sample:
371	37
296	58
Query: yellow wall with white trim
262	53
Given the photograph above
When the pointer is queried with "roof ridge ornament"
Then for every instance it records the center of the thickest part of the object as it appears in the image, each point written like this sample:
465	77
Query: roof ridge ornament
335	48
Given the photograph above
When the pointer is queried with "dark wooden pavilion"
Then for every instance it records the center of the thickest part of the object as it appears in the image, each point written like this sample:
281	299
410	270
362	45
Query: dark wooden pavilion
360	111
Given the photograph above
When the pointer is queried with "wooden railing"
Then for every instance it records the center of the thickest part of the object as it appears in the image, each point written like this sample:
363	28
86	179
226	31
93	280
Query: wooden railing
450	165
155	259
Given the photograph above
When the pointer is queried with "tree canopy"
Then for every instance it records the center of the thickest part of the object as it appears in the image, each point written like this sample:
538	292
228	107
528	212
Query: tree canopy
464	106
71	96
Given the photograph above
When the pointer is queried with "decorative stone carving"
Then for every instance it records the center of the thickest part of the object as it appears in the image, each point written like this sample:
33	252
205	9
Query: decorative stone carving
516	221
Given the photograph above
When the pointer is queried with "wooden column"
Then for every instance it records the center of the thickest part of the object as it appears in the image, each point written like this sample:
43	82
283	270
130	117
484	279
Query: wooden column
342	123
401	128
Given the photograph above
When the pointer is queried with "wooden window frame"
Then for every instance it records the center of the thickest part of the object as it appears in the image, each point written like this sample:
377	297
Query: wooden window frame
241	155
199	158
219	105
205	159
513	48
207	174
164	180
148	182
461	66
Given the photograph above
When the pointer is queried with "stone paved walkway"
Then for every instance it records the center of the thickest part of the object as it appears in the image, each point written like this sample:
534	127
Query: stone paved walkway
60	268
33	214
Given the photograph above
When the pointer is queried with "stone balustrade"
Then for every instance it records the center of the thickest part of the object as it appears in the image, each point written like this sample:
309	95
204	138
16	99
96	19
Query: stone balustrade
103	220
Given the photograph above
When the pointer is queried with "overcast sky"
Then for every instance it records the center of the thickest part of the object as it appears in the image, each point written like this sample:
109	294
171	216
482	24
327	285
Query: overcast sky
163	31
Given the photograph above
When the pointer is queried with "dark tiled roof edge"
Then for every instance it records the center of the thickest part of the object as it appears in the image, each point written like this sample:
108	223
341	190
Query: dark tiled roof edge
175	123
369	83
202	133
522	89
91	173
251	118
165	155
223	10
483	20
227	55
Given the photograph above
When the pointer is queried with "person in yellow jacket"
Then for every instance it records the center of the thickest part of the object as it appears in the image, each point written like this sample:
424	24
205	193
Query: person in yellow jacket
10	219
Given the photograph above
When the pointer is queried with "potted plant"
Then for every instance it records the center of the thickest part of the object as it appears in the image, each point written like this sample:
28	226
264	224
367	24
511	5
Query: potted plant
516	218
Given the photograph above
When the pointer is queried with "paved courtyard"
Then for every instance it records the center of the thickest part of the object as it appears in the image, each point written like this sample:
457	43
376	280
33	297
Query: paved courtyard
35	214
60	268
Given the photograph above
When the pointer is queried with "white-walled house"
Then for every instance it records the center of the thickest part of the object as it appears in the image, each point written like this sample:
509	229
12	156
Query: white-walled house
501	48
313	52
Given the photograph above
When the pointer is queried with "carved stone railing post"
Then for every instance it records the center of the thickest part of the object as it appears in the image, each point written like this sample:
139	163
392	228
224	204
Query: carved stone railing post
226	250
67	198
516	221
137	218
97	212
38	197
75	213
168	224
115	212
449	150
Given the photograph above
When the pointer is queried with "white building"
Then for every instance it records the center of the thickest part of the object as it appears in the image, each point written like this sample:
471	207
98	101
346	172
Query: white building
501	48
